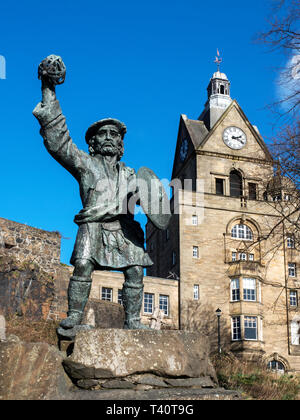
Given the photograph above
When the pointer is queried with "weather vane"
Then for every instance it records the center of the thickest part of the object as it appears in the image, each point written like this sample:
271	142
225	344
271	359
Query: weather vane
218	60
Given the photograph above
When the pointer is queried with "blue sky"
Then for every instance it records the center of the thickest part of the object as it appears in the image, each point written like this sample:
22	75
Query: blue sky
144	63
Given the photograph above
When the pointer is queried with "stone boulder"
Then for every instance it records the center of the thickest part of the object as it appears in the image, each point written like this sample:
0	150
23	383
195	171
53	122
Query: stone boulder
103	314
31	371
116	353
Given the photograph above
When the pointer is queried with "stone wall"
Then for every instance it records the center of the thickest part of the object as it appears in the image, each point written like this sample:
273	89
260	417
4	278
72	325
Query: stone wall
29	243
28	257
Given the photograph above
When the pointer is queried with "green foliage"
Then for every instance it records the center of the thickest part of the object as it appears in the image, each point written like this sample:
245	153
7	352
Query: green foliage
254	381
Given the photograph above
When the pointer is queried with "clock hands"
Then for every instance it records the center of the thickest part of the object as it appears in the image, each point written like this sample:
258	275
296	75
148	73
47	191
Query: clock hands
238	138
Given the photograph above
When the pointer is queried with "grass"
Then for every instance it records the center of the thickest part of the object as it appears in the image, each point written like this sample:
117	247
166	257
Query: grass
254	381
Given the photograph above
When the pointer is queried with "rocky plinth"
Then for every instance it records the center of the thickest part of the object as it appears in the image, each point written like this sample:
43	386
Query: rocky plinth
115	358
34	371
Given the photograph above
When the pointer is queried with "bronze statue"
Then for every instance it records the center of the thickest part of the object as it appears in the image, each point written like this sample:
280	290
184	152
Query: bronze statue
108	237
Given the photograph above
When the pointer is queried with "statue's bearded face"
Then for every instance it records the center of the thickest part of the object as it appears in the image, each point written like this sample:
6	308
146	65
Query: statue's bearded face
108	141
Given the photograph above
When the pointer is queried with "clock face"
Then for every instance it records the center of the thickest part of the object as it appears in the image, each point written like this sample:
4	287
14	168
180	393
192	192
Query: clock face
234	138
183	149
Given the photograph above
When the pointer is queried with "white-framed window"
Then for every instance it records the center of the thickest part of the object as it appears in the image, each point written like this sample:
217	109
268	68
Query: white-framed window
250	327
120	296
241	232
236	328
292	269
195	252
107	294
196	292
250	331
235	289
276	366
290	242
148	303
249	289
242	256
164	304
194	220
293	298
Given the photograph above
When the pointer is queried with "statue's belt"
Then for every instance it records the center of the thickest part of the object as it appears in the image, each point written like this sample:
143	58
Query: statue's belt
111	226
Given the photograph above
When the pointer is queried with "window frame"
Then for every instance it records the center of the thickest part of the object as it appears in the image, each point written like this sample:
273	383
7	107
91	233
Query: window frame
251	328
293	298
235	292
195	252
235	184
292	269
162	306
194	220
236	328
249	294
104	293
277	369
196	292
242	231
120	296
252	191
220	182
148	302
290	242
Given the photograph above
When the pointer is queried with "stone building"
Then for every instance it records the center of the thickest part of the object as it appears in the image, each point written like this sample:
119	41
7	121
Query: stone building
221	242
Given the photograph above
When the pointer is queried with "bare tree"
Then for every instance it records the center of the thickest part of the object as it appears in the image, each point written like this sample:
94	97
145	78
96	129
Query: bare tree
282	192
283	34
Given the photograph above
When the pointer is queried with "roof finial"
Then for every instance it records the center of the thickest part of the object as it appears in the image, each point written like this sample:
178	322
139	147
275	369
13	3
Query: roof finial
218	60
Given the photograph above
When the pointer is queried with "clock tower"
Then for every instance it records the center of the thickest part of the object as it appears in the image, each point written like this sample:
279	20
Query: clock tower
218	92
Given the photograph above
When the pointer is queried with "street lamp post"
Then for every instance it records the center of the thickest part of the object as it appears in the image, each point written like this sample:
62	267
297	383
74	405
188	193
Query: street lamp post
219	312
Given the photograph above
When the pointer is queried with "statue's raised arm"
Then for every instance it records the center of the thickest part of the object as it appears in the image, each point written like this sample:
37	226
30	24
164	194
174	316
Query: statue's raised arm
52	72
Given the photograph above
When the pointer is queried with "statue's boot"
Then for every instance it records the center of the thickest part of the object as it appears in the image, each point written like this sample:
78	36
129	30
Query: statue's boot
132	302
78	294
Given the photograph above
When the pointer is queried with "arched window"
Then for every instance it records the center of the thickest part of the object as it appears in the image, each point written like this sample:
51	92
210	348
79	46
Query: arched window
276	366
241	232
236	184
222	89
